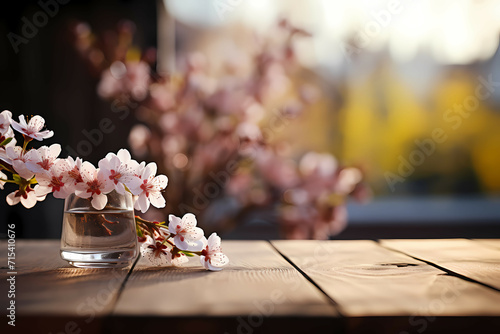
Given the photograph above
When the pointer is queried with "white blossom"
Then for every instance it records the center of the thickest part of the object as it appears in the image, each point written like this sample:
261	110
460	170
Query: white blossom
187	235
158	253
55	181
42	159
2	177
121	170
212	257
150	188
73	170
27	197
95	185
17	159
5	121
33	128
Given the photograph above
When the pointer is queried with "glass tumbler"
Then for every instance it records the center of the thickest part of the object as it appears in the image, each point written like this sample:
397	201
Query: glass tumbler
99	238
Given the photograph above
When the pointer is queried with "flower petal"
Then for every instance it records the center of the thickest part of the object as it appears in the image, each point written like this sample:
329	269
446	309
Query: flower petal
120	188
54	151
219	260
133	182
149	171
107	186
104	164
157	200
195	246
99	201
36	123
143	203
82	193
189	220
42	135
12	199
194	233
179	259
22	121
88	171
181	243
124	155
20	168
212	268
161	181
29	201
43	190
62	194
214	241
3	177
19	127
173	222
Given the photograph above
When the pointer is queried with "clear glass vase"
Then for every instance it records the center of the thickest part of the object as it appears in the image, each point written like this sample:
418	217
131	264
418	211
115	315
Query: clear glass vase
99	238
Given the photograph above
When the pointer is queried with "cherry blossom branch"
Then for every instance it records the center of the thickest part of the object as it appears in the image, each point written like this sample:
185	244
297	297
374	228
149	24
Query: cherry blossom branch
38	172
185	240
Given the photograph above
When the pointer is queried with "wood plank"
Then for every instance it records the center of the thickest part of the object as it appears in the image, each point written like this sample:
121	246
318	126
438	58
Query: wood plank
50	294
367	280
495	243
258	291
465	257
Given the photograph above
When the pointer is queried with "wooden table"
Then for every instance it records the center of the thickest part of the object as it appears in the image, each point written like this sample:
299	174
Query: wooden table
361	286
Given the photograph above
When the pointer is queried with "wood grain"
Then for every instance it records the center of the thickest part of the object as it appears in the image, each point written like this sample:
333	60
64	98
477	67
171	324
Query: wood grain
258	290
495	243
52	294
367	280
465	257
374	289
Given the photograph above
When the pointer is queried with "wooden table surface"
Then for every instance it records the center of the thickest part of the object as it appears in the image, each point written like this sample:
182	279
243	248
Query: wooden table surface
360	286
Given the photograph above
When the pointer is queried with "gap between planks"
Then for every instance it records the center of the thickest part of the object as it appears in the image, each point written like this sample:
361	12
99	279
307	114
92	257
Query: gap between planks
446	270
464	258
257	284
300	271
122	286
255	273
366	279
307	277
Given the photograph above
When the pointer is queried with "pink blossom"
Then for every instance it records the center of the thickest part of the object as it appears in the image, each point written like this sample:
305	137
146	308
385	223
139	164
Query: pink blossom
27	197
42	159
322	165
2	177
95	185
74	170
8	134
129	78
56	180
319	172
249	131
187	235
121	169
158	253
32	128
212	257
149	190
17	159
5	121
276	170
347	180
139	137
12	143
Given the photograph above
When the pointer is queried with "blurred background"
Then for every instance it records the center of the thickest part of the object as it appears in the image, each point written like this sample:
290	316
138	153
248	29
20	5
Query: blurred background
404	94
